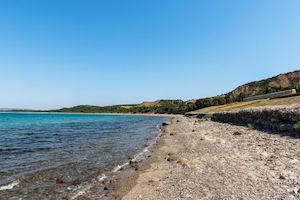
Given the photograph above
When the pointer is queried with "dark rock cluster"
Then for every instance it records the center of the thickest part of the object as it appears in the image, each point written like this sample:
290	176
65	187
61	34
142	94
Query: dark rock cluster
278	119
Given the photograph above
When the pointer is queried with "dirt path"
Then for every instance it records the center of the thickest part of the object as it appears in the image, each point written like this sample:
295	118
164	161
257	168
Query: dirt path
210	160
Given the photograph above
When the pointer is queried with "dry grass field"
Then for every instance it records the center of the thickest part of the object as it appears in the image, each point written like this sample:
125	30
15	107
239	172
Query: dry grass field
289	101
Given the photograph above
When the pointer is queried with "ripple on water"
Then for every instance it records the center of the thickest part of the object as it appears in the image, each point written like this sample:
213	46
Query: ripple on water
38	148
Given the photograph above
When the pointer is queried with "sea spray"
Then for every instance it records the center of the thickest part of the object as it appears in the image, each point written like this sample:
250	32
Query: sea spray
10	186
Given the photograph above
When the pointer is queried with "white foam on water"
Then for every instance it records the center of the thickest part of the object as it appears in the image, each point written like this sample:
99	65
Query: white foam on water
139	156
102	177
82	190
10	186
118	167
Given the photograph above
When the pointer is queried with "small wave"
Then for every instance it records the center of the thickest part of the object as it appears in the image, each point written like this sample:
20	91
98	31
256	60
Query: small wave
139	156
16	150
102	177
118	167
10	149
42	149
81	190
9	186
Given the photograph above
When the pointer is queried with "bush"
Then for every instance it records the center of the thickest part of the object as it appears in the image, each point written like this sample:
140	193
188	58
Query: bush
251	126
296	126
208	116
212	101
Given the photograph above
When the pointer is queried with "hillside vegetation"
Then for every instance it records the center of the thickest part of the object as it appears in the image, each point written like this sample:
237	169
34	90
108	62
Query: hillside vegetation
159	107
277	83
281	82
290	101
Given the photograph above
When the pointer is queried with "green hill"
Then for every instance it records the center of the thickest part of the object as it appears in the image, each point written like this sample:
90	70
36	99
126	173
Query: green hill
159	107
277	83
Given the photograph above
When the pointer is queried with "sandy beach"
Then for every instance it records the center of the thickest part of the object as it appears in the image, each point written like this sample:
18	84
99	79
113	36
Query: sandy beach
198	159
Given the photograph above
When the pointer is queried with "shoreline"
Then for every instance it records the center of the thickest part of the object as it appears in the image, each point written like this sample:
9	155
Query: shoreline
145	165
121	178
195	158
102	182
199	159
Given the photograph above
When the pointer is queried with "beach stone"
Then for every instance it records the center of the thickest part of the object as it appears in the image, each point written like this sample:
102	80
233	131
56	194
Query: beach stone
237	133
154	180
116	196
282	177
59	181
68	197
145	145
134	164
130	157
112	183
294	161
294	190
76	182
165	123
184	162
171	157
285	127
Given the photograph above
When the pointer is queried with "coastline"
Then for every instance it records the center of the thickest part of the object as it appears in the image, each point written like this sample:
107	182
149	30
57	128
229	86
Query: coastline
74	113
132	181
195	158
198	159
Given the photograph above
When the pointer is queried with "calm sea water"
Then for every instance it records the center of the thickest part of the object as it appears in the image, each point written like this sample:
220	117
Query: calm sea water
31	143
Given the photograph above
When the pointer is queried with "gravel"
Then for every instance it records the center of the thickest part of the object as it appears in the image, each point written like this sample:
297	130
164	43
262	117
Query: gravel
211	160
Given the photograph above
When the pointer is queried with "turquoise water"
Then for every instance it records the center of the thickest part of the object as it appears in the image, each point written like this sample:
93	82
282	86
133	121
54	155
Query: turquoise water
69	144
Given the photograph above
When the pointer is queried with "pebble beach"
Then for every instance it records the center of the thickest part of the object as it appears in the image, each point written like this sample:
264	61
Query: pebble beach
199	159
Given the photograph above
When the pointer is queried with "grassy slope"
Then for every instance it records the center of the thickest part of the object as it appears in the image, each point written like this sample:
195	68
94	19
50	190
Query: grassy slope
257	103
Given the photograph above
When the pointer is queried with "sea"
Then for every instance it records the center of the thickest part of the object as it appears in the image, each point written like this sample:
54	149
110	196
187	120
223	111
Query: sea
53	155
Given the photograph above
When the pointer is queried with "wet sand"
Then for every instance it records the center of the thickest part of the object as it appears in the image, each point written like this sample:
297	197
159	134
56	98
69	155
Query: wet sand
208	160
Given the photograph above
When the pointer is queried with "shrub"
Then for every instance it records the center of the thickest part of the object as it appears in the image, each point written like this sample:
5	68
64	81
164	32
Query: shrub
296	126
251	126
208	116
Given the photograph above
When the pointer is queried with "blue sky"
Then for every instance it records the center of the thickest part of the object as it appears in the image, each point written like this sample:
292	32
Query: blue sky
57	53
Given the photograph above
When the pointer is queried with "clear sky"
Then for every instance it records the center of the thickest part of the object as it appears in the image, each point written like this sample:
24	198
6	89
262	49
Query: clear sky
56	53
